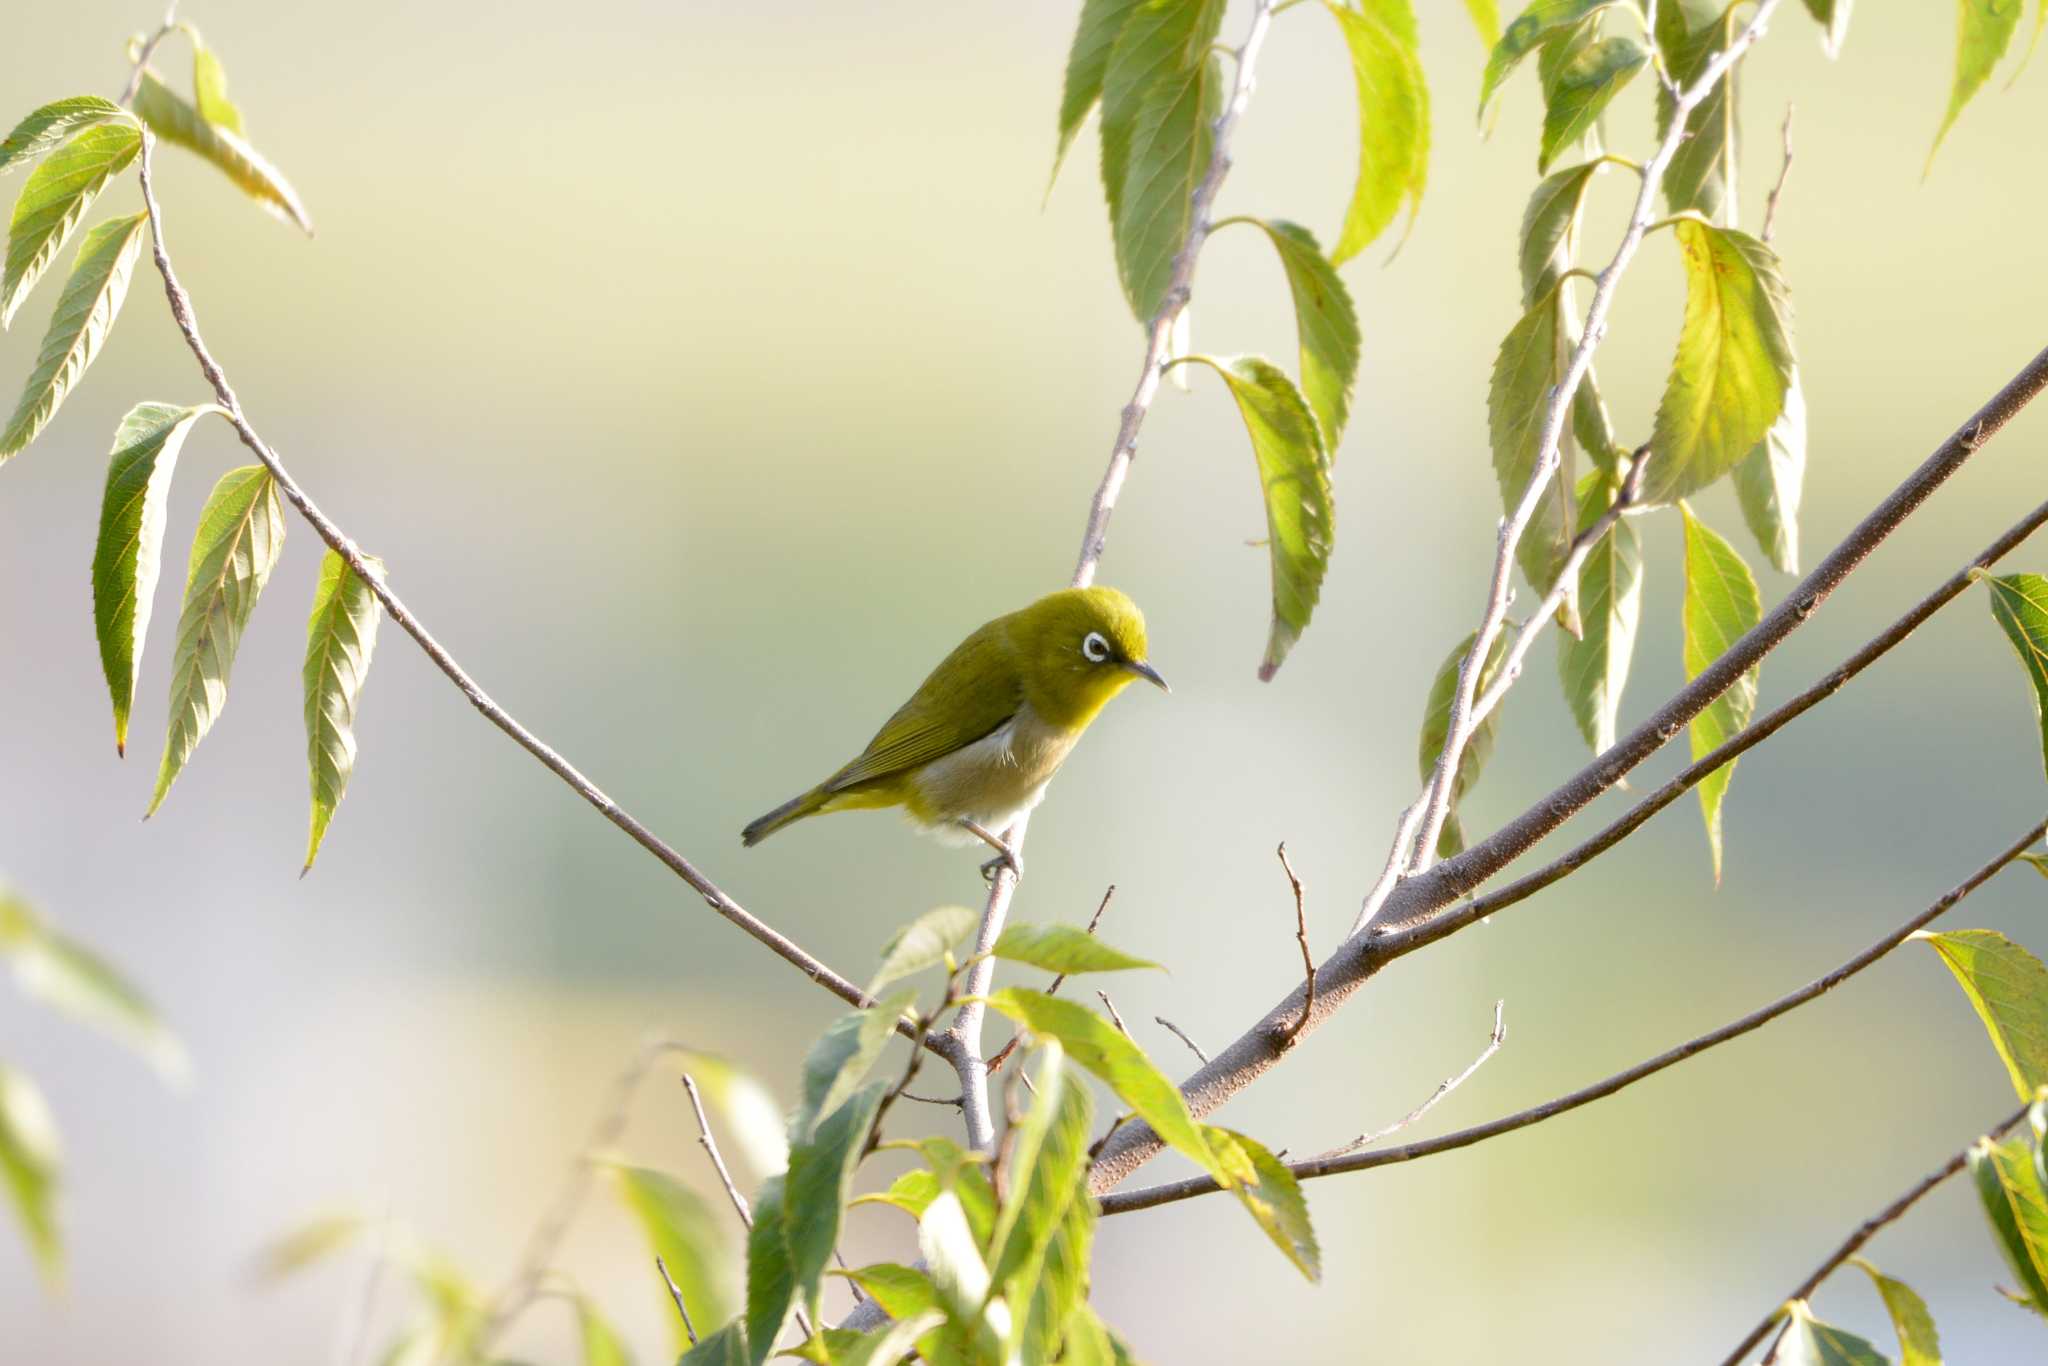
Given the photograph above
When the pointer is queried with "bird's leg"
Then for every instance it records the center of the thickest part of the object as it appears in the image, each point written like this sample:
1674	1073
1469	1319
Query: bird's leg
1005	855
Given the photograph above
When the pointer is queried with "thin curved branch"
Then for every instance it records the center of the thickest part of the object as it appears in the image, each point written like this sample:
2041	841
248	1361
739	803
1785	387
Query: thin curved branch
1126	1201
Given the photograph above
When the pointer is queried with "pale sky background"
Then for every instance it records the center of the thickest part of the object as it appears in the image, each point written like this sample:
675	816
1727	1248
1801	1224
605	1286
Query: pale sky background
703	371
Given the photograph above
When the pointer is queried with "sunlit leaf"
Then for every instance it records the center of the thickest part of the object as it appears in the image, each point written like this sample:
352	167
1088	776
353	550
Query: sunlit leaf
1984	30
957	1267
2009	988
1919	1343
964	1172
1062	948
1594	667
1046	1165
53	201
923	943
172	119
1721	605
1809	1342
1273	1196
2017	1208
29	1164
61	972
910	1192
1584	87
52	124
241	532
902	1291
754	1120
1833	18
1087	60
841	1058
681	1228
1294	472
1531	27
210	90
1733	366
2019	604
1436	727
1326	322
1701	174
887	1346
1550	227
84	316
1485	19
1768	480
1393	119
340	635
1526	372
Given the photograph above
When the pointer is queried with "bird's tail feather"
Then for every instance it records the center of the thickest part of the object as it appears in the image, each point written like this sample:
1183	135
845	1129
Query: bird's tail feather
791	811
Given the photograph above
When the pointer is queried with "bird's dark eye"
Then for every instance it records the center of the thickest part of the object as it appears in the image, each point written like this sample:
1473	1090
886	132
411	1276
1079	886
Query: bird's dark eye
1094	647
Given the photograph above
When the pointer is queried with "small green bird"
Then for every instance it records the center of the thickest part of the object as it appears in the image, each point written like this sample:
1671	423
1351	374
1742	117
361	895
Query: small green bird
978	741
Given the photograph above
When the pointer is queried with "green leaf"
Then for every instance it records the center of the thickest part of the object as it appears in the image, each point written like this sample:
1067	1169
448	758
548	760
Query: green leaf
601	1345
1486	20
1393	120
1062	1289
173	120
1919	1343
1701	175
1528	369
1833	18
902	1291
1096	1045
1594	667
841	1057
1550	229
1294	472
1809	1342
2009	988
818	1185
726	1347
1326	323
340	635
1064	949
54	200
887	1346
1087	60
52	124
1436	727
957	1269
1045	1171
925	942
29	1165
682	1230
1540	21
1767	483
2019	604
1161	94
210	90
1721	605
1270	1192
911	1192
1733	367
1984	30
241	532
63	973
1584	87
771	1274
754	1119
2017	1208
311	1242
129	553
78	328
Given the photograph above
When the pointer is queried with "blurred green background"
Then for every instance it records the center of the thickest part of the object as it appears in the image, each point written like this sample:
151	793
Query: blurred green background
703	372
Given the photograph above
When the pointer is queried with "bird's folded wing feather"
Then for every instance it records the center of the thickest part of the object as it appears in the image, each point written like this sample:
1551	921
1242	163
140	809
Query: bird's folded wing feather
974	692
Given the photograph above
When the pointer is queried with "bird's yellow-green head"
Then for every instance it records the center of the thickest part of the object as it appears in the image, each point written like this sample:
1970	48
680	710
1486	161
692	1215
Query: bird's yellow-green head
1078	648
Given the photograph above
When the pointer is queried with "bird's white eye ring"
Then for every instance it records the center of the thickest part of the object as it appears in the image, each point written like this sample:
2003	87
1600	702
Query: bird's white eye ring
1094	647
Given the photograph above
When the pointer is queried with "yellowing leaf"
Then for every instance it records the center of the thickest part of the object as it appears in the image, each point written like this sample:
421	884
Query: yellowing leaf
340	636
1393	119
84	316
1721	605
2009	988
210	90
1326	322
1919	1343
173	120
2017	1208
54	200
2019	604
1062	948
29	1167
1272	1195
1984	30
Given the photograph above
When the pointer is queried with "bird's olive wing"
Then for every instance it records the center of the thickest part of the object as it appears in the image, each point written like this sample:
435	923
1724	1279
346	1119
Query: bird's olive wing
973	692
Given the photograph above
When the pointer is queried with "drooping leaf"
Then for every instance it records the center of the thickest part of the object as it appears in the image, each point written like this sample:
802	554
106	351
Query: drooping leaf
2009	988
1273	1196
1486	20
1833	18
1594	667
1584	87
241	532
52	124
210	90
1528	369
771	1275
1733	366
1721	605
172	119
1393	119
1046	1167
1550	226
1767	483
1919	1343
129	553
1326	322
923	943
61	972
1984	30
1809	1342
1087	60
2017	1208
1701	175
683	1230
818	1185
841	1058
1161	93
1096	1045
1062	948
340	636
1294	472
956	1263
53	201
2019	604
1436	727
601	1344
726	1347
78	328
1531	27
1062	1288
29	1164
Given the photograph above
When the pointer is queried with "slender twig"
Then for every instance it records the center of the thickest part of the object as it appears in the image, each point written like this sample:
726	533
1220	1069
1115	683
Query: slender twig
1122	1202
1416	899
1181	1034
1002	1054
960	1045
675	1292
1462	720
732	1190
1114	1017
139	63
1784	170
1308	958
1448	1085
1865	1232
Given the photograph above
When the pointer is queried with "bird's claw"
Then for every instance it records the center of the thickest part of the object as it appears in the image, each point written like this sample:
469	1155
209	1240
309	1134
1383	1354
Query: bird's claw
1007	859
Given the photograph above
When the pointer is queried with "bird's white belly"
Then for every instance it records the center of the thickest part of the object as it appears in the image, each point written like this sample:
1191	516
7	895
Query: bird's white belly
992	781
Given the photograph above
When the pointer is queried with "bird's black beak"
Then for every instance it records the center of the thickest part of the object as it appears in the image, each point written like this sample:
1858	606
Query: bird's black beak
1146	671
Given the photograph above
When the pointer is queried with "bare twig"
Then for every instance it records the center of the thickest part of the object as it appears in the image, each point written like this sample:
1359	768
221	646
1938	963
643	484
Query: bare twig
1181	1034
1115	1018
1308	960
1002	1054
1122	1202
139	62
1448	1085
1785	170
1865	1231
960	1045
675	1292
732	1191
